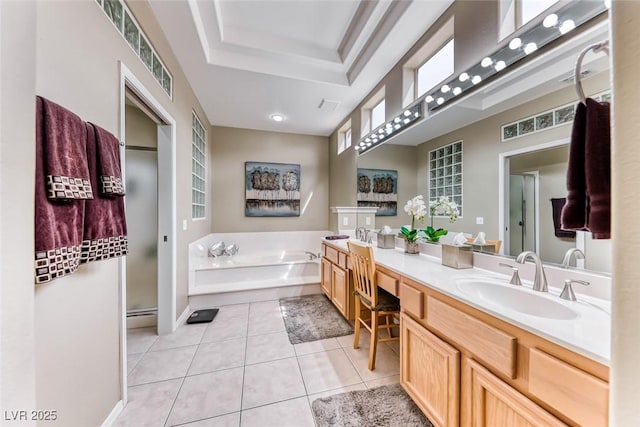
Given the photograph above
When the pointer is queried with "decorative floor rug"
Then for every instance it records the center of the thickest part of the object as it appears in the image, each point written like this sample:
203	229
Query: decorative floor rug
385	406
312	318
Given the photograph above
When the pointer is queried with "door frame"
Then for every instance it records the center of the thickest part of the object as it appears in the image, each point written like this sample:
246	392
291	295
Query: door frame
503	188
166	217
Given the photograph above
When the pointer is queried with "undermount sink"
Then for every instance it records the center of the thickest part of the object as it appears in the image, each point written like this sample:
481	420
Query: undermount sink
515	298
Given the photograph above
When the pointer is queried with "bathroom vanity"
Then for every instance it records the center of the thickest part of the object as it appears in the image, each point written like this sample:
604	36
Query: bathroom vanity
476	351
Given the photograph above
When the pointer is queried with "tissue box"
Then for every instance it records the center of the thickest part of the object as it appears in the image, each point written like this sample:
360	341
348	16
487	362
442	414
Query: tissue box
386	241
457	256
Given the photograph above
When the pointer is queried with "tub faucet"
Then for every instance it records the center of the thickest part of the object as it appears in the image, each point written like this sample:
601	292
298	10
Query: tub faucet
572	253
312	256
540	279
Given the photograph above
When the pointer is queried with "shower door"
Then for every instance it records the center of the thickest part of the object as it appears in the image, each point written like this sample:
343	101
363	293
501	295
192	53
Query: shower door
142	225
522	213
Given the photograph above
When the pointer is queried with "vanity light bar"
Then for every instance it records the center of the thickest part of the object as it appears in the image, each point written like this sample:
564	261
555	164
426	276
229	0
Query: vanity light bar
386	130
545	30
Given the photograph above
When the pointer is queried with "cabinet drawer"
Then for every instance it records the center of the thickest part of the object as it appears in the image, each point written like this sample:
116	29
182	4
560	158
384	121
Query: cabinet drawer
331	254
495	348
386	282
580	396
343	260
412	300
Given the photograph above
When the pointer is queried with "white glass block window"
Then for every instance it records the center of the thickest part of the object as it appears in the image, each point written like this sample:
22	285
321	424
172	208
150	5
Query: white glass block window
435	69
128	27
377	115
198	169
445	173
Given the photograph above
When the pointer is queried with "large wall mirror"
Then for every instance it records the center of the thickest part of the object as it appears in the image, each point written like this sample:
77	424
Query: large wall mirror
508	183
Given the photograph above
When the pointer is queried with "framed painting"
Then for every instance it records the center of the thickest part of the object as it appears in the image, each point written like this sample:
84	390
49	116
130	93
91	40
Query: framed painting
272	189
378	188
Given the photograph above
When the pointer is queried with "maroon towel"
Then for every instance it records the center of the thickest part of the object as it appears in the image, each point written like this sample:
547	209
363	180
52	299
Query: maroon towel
556	210
598	168
574	212
108	152
58	223
105	224
64	155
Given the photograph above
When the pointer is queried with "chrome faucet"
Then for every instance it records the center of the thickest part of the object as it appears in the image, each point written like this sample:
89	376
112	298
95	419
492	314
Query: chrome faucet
312	256
572	253
362	233
540	279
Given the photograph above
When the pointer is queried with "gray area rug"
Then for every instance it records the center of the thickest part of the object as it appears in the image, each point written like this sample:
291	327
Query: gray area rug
312	318
385	406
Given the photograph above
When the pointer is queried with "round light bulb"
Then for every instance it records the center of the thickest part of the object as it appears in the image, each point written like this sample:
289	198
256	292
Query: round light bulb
397	120
369	145
406	121
567	26
407	112
476	79
463	77
550	21
500	65
362	144
416	114
440	101
277	117
515	43
429	98
381	131
530	47
367	140
397	127
445	89
357	147
486	62
457	91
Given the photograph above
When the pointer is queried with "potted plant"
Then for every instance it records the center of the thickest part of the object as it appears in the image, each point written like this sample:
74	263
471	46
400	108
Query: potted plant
440	207
417	209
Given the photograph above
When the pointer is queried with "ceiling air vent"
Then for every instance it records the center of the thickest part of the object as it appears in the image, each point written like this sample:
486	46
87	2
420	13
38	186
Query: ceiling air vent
328	105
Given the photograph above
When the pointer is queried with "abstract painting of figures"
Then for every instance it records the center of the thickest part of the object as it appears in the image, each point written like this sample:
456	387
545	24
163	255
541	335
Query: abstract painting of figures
378	188
272	189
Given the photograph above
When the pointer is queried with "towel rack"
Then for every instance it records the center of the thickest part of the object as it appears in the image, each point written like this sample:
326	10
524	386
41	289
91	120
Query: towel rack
602	46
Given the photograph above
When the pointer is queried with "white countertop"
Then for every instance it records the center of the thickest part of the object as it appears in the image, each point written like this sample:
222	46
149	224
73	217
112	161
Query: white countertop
589	334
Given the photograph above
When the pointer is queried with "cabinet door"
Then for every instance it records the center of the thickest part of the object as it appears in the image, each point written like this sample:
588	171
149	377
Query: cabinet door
325	277
496	404
339	289
430	372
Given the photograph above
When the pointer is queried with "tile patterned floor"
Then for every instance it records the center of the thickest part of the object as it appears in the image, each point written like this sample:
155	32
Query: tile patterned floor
241	371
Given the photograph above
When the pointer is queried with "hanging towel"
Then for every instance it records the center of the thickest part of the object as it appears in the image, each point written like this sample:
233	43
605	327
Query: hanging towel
108	158
598	168
64	155
556	210
105	225
574	216
58	223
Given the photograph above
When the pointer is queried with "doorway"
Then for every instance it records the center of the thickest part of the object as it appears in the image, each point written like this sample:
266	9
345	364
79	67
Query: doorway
523	205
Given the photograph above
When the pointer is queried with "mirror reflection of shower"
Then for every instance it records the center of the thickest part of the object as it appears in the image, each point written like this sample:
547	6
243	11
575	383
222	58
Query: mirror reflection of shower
523	206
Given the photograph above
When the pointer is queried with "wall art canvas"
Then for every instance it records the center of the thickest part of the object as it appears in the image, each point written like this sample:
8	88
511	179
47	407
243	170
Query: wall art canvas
272	189
378	188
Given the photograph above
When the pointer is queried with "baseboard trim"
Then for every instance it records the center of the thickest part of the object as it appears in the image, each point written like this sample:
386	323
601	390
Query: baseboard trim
113	415
144	321
184	316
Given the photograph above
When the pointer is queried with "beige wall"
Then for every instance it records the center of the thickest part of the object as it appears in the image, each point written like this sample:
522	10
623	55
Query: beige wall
140	130
69	52
230	148
402	159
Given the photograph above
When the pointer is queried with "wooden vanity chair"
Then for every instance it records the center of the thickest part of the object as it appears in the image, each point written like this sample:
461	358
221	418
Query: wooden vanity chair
378	302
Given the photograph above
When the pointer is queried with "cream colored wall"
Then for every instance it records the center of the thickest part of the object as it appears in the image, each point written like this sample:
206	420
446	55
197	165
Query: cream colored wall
17	152
74	321
402	159
140	130
230	148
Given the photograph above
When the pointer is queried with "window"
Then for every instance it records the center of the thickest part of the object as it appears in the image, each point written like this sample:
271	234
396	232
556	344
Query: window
344	137
122	18
435	69
445	173
516	13
198	169
377	115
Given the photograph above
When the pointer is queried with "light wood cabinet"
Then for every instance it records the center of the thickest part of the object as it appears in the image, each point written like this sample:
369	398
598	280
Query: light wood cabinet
335	280
430	372
495	404
339	289
325	276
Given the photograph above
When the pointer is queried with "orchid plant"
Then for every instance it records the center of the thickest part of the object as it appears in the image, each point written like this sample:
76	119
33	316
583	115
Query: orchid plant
440	207
417	209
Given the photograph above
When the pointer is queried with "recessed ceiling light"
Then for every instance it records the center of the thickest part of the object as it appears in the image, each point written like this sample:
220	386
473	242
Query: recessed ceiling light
277	117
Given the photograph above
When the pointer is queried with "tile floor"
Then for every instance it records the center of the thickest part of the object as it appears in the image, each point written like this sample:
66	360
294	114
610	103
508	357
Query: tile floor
241	370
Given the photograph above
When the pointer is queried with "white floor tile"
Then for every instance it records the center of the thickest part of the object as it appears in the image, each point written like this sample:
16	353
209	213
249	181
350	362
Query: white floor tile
394	379
267	347
271	382
207	395
222	330
162	365
140	339
232	312
327	370
220	355
387	362
347	340
316	346
132	361
149	404
265	322
264	307
183	336
290	413
229	420
359	386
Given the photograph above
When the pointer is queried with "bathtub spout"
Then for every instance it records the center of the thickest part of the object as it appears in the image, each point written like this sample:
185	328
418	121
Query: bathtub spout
232	249
312	256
